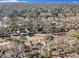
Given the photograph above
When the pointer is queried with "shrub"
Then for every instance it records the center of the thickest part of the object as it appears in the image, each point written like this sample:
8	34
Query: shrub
76	34
49	37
